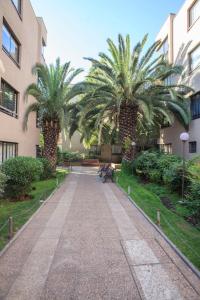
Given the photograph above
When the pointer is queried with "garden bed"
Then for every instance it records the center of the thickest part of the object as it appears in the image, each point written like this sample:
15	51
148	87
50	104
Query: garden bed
148	197
21	211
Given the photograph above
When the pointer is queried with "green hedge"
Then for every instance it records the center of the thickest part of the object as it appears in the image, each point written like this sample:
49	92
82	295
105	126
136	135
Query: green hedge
3	179
21	172
47	169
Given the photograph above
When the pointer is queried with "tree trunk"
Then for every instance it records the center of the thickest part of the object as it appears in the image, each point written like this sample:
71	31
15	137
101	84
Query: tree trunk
51	130
127	130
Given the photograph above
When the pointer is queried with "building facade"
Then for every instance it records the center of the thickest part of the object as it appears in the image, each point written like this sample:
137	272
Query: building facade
22	38
180	36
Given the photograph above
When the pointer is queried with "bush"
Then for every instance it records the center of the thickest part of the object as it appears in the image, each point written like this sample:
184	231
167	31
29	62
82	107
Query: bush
3	179
21	172
145	163
193	199
127	167
72	156
47	170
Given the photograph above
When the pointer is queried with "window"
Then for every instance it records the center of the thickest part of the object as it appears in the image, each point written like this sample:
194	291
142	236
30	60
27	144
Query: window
116	149
8	99
195	106
10	44
167	148
7	150
164	49
194	58
43	47
194	12
38	151
95	149
192	147
18	5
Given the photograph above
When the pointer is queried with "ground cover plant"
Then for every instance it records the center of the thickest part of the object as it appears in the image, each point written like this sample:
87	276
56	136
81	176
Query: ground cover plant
148	197
21	211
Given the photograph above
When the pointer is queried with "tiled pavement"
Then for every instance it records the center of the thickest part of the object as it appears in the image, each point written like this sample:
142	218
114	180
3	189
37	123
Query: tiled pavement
89	242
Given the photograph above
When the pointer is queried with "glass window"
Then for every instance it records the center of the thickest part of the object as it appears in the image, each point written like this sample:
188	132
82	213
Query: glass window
195	106
167	148
194	57
194	12
7	150
116	149
192	147
8	99
10	44
17	4
164	49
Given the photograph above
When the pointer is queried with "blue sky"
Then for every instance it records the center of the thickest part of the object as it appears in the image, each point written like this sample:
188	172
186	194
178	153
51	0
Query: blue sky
79	28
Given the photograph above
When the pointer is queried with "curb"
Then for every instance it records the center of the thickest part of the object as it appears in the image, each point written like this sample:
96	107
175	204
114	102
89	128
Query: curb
7	246
178	252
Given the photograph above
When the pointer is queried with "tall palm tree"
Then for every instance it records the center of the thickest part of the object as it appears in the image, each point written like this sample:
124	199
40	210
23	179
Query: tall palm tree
53	93
128	83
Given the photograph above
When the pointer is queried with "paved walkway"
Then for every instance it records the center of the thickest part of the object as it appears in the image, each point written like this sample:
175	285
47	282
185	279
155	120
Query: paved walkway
89	242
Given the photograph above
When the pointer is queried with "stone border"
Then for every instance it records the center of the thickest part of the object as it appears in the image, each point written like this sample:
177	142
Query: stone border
7	246
178	252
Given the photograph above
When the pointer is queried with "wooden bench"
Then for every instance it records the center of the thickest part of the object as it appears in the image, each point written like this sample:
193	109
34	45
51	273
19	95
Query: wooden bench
90	162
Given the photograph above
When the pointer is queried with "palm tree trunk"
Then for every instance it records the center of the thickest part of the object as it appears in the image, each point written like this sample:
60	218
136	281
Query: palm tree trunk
127	130
51	132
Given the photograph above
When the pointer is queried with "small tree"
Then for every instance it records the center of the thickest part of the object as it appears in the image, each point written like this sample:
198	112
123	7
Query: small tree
53	93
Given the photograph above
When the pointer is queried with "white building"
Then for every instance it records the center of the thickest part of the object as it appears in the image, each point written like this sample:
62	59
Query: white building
181	44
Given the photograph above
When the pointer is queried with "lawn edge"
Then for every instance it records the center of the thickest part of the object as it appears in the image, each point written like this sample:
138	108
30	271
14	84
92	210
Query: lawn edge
7	246
172	245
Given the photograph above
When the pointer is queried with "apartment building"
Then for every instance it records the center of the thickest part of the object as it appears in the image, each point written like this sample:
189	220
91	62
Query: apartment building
180	36
22	38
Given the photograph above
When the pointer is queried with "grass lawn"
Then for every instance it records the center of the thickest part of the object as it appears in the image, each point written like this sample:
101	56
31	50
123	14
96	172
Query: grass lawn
147	196
21	211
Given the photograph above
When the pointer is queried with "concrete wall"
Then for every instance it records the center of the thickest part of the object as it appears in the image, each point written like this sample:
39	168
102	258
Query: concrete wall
184	40
74	145
30	32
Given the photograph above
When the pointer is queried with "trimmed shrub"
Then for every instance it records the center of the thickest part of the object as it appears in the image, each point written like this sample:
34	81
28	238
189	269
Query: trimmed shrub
72	156
21	172
145	163
3	179
47	170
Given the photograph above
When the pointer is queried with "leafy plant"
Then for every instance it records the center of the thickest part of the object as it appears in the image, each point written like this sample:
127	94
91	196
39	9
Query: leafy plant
21	172
47	169
193	199
3	179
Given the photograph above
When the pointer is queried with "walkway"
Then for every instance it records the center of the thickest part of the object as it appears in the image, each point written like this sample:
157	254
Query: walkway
89	242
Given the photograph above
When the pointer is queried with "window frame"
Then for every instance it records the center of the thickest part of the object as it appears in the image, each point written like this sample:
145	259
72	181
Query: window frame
189	25
6	143
189	58
162	43
191	149
18	10
195	116
4	109
16	40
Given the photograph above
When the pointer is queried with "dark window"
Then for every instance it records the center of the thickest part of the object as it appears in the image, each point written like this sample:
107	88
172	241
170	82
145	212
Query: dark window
38	151
194	12
7	150
194	58
8	99
195	106
116	149
192	147
9	43
167	148
164	49
95	149
18	5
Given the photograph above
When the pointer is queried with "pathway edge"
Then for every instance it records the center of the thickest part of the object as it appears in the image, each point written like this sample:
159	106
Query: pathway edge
7	246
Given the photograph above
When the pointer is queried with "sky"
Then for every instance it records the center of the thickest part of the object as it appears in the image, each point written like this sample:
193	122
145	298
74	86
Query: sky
80	28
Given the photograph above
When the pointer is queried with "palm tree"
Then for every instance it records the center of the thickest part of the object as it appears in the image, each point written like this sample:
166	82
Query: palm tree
128	83
53	93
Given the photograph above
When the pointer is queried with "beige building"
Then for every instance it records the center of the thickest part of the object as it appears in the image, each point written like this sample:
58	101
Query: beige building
22	38
181	45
